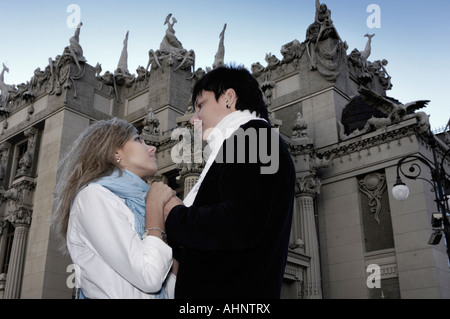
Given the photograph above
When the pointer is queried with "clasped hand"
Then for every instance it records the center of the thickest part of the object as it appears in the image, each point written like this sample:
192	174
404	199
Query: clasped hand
163	197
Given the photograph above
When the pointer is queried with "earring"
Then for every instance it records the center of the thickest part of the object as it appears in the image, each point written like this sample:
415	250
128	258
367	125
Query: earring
119	159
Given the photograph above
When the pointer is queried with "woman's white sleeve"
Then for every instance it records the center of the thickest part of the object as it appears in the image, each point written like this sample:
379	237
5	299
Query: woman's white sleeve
106	221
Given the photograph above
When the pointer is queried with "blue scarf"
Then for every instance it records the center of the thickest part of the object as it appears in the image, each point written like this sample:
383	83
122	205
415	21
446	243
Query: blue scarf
133	190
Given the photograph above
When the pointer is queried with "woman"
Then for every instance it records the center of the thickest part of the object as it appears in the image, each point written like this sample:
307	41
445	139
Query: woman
105	212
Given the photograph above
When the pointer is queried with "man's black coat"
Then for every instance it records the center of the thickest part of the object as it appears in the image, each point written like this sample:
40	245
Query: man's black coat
233	241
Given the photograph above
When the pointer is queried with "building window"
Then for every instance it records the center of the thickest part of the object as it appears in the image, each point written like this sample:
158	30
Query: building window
5	251
19	153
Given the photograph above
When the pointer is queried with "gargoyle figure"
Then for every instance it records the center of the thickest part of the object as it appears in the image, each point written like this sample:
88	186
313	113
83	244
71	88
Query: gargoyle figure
153	58
188	60
397	112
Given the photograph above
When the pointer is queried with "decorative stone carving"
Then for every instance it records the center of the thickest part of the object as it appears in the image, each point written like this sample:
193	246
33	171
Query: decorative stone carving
378	68
170	42
192	161
326	51
394	112
272	61
26	162
20	217
292	51
220	55
4	151
19	197
122	66
257	69
38	79
171	50
74	49
59	70
368	49
373	186
267	88
121	75
300	127
359	60
324	45
308	185
365	143
365	71
56	77
5	93
151	124
397	112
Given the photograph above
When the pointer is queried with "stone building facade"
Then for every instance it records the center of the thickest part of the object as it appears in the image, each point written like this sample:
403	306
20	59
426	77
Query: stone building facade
345	136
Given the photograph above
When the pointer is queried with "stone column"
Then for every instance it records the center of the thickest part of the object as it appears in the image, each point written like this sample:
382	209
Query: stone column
308	188
21	221
2	239
192	161
312	283
189	181
19	212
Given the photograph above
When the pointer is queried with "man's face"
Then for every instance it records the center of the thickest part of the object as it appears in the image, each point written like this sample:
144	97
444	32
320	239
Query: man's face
210	112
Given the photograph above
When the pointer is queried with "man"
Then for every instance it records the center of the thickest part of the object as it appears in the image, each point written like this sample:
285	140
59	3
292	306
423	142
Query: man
231	235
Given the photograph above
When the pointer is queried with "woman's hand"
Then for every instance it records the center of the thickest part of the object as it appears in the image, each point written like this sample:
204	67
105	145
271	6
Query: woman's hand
159	195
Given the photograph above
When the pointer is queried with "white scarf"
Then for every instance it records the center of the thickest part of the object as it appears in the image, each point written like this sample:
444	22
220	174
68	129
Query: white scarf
223	130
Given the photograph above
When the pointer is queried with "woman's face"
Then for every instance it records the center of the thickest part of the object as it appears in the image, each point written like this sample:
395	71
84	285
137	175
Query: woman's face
138	157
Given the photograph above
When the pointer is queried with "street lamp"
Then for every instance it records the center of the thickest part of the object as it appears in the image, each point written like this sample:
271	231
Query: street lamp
440	186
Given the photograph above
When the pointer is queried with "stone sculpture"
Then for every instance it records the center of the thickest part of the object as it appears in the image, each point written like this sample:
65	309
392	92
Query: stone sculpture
170	42
5	95
170	51
394	112
220	55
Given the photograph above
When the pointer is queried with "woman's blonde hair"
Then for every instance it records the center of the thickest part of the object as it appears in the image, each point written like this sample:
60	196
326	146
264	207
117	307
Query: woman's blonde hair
89	158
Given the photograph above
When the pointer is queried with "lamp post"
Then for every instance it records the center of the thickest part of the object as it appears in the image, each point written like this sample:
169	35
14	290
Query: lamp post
440	186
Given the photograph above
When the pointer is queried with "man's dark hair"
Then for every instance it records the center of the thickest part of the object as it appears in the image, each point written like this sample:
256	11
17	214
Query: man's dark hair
248	92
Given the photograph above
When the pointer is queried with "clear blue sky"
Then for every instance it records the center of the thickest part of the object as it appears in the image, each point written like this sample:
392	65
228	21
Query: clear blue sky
414	36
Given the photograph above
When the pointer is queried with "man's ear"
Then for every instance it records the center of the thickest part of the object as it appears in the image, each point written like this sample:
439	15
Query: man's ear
231	97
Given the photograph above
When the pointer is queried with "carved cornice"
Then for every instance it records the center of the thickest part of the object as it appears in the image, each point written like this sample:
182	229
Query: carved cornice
371	140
